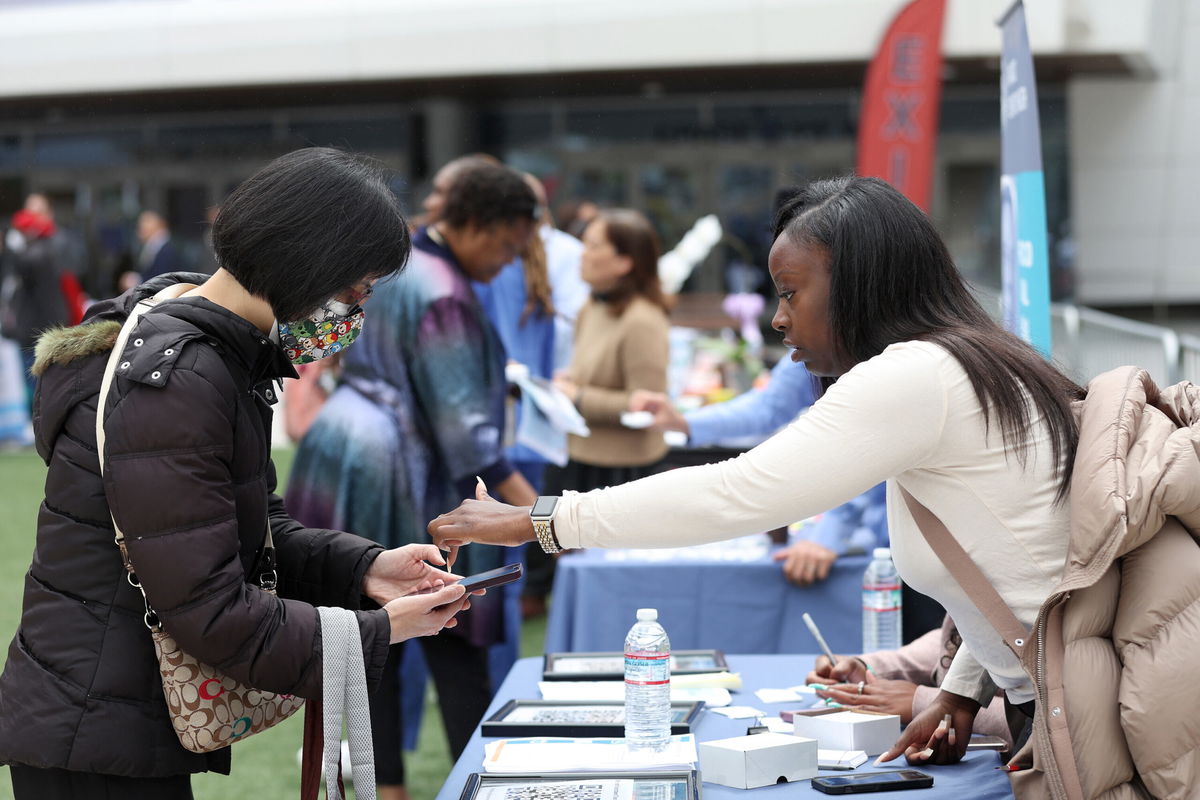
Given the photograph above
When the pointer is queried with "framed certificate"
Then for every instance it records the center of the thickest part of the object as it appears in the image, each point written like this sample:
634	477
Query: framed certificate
611	666
567	718
666	785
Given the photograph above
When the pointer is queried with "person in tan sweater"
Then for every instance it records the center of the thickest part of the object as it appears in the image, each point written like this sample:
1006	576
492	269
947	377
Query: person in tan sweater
620	345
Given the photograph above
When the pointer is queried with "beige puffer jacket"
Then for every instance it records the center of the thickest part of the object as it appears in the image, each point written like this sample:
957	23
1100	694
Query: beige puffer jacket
1115	650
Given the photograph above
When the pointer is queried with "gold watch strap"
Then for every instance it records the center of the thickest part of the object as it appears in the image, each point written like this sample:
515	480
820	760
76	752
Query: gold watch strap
545	536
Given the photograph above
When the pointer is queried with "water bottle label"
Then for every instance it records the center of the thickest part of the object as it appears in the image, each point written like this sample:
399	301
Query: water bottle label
881	598
648	669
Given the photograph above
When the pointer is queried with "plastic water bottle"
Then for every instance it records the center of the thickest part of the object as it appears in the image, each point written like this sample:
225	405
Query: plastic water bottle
881	603
647	683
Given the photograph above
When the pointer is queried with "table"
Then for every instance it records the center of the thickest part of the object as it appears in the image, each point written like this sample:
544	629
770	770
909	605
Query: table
975	776
707	598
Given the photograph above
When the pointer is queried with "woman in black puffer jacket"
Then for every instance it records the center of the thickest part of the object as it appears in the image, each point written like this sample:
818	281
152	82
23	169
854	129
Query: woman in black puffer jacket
188	478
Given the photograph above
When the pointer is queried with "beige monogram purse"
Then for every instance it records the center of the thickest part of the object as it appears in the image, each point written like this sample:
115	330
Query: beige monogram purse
208	710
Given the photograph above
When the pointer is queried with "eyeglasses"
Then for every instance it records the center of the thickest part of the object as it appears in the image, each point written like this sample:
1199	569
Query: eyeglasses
349	301
358	293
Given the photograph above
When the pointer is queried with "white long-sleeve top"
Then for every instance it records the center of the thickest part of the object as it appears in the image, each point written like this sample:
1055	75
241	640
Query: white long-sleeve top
908	416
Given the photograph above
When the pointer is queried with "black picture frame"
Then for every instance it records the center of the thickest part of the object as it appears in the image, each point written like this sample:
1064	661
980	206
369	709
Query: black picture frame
557	666
685	784
512	719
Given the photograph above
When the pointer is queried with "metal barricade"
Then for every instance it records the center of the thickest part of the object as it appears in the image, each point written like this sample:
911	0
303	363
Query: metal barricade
1189	358
1086	342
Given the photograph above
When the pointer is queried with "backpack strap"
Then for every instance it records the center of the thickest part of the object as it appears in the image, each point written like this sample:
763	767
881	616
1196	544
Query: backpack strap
968	575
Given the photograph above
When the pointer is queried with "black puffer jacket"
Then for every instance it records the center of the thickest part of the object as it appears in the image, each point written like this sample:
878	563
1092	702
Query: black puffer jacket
188	477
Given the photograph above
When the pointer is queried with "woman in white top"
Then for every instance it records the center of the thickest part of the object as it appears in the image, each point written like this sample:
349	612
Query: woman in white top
931	395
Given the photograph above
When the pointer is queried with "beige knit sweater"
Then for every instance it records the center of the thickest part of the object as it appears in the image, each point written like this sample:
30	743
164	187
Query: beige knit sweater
612	357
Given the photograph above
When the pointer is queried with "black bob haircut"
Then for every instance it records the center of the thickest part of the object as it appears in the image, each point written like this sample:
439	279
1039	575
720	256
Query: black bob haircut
488	194
892	280
308	226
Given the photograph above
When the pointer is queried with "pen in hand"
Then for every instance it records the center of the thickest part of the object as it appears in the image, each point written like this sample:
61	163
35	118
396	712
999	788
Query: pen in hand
816	632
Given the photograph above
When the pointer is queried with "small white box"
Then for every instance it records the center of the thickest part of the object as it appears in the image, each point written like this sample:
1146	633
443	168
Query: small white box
835	729
762	759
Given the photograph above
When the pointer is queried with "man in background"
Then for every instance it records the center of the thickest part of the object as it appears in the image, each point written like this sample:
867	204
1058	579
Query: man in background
158	255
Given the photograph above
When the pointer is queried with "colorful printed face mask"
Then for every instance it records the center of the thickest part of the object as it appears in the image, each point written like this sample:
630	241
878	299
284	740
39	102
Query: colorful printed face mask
330	329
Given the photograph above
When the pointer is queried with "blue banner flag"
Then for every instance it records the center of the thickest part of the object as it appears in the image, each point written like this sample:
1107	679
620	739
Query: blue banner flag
1024	256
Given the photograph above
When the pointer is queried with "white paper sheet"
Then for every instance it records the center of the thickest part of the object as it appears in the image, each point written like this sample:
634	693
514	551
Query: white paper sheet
586	691
739	712
545	754
776	724
790	695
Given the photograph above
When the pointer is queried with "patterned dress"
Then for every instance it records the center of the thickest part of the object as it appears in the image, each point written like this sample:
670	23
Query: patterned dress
529	341
418	414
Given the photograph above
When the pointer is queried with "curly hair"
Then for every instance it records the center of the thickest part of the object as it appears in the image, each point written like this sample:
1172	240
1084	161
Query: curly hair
486	194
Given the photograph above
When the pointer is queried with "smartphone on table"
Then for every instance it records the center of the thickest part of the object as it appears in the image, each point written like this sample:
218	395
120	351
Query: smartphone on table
873	782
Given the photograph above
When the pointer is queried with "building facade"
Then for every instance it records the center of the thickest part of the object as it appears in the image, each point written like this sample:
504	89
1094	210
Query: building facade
677	108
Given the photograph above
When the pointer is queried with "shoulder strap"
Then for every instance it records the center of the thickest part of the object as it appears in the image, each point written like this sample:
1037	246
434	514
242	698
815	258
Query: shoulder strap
344	697
968	575
110	370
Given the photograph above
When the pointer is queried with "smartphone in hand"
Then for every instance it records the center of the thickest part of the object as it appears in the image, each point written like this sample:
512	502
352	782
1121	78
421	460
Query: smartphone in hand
486	580
493	577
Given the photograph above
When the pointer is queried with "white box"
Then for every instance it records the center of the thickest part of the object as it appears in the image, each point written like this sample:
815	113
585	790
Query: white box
835	729
762	759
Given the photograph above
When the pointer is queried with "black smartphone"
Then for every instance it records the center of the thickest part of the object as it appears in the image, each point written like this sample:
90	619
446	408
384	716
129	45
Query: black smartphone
493	577
873	782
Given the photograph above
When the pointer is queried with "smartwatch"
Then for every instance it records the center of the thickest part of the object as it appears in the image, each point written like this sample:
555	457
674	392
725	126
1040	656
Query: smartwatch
542	515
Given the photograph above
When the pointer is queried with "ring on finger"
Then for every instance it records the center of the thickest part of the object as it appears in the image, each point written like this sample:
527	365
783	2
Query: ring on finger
861	684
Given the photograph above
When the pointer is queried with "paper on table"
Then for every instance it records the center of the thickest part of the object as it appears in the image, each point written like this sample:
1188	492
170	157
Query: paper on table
585	755
789	695
840	759
776	725
739	712
581	691
742	550
704	680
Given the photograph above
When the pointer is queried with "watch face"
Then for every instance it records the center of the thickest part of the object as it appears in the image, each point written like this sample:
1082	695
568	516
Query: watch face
544	506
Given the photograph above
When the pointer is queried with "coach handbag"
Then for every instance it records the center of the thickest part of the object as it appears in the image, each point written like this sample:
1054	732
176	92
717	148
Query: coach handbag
208	710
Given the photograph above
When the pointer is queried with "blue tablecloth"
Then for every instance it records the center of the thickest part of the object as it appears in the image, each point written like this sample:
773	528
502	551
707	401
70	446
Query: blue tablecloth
728	605
975	777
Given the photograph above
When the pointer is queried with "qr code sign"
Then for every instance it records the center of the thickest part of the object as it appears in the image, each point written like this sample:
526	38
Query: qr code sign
556	791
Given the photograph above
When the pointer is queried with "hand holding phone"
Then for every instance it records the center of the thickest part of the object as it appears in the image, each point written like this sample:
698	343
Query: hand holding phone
425	613
873	782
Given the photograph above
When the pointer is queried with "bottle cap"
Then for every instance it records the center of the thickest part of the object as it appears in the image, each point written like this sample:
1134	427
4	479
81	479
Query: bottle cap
647	614
882	552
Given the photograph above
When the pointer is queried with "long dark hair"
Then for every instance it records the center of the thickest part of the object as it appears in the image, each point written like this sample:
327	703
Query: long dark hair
632	235
309	225
892	280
